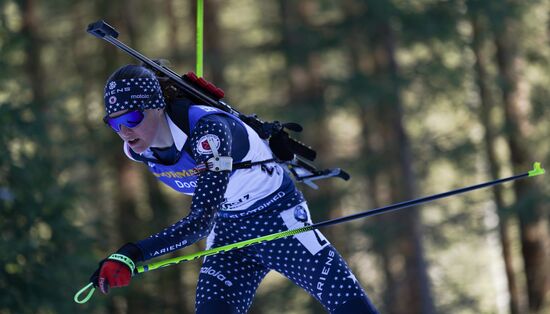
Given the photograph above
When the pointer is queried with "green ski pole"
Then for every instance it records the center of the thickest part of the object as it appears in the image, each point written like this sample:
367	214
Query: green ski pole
537	170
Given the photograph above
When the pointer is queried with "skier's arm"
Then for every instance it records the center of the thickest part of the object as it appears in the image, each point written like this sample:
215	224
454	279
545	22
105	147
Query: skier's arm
209	193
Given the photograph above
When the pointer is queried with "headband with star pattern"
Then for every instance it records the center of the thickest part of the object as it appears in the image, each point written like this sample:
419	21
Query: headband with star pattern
133	93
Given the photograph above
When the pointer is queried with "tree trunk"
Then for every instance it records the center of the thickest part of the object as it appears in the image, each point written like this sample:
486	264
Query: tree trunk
214	59
380	227
174	49
397	237
33	52
529	206
305	97
486	105
306	89
412	290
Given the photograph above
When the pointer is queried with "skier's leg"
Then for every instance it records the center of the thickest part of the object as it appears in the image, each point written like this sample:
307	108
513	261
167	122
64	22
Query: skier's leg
310	261
227	281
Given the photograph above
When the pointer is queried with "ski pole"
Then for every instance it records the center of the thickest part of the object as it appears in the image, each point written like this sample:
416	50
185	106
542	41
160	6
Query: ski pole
537	170
199	37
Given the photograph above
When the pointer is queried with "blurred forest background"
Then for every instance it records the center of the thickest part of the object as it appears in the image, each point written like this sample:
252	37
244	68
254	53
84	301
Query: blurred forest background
412	97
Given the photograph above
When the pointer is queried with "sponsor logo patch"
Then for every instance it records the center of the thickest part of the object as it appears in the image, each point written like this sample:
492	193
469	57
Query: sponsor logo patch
203	147
300	213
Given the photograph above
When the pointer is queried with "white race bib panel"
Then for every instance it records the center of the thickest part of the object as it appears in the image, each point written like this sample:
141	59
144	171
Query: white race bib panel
297	217
247	186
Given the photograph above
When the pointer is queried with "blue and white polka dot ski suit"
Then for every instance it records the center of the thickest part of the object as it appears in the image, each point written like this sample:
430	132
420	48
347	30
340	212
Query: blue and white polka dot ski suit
247	203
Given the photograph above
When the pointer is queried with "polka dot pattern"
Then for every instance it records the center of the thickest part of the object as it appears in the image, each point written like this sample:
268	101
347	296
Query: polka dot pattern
133	93
209	194
234	276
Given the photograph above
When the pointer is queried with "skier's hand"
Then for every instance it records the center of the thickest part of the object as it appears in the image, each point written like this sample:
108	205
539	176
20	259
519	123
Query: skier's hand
116	270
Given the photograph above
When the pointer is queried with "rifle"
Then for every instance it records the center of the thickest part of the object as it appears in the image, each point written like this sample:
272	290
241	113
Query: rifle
289	151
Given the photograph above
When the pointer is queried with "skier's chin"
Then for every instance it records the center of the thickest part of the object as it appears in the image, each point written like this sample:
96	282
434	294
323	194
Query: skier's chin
138	145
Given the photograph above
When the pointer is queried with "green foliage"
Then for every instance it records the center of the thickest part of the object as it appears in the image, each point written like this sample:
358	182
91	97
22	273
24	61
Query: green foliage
325	64
42	250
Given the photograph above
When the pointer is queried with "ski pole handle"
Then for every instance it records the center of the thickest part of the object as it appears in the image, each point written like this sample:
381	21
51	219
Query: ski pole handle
83	290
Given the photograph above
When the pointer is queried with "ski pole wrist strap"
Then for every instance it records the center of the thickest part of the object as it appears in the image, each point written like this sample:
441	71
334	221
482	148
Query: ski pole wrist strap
123	259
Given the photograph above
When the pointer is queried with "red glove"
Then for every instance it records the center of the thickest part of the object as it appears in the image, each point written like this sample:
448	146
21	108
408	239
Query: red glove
113	274
116	270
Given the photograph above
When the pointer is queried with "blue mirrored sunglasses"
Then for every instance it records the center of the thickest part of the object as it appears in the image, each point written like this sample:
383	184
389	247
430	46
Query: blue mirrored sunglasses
130	119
